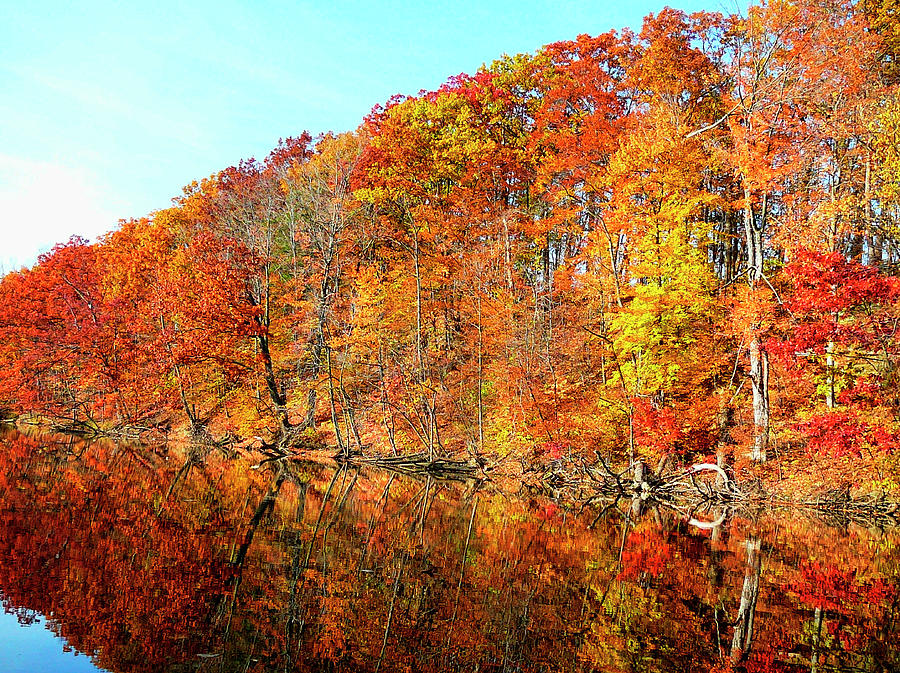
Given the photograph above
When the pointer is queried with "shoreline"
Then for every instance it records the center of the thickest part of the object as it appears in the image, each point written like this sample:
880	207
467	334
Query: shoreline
570	483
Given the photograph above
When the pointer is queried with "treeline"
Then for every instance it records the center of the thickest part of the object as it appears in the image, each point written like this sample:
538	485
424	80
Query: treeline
678	240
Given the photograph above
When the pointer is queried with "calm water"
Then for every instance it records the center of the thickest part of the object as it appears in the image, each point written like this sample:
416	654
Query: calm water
138	566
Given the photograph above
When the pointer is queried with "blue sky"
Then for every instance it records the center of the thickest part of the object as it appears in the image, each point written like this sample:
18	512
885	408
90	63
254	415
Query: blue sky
108	108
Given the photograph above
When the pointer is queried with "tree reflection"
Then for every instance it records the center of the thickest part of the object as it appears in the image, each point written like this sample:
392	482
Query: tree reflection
305	567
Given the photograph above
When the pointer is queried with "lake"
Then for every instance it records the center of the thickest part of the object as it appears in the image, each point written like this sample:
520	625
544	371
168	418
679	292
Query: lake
116	557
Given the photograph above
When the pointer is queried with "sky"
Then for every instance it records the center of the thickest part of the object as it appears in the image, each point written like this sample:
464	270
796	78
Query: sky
107	109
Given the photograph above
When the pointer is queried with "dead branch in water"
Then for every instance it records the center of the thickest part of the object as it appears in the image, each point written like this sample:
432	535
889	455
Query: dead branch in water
600	481
420	464
687	490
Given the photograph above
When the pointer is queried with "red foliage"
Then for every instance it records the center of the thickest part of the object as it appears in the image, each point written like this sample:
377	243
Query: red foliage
842	433
655	429
864	394
554	450
835	300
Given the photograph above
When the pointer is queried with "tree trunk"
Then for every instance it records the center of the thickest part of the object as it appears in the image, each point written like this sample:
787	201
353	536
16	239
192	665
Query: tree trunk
334	416
276	395
829	383
725	421
759	359
480	381
753	230
420	361
507	255
759	379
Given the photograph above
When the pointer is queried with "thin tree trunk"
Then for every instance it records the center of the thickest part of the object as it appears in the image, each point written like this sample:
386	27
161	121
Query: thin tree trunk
759	379
759	359
419	358
350	417
480	382
829	383
507	255
275	394
334	416
192	417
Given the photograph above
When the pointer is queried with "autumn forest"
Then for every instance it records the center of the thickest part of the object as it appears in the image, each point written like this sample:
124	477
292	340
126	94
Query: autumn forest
679	244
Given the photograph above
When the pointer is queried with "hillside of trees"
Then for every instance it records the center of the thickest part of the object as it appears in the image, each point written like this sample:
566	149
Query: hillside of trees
682	241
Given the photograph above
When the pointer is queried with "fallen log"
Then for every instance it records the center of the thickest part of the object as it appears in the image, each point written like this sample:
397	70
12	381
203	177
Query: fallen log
419	463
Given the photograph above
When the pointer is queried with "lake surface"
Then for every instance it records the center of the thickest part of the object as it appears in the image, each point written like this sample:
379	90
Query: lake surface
135	564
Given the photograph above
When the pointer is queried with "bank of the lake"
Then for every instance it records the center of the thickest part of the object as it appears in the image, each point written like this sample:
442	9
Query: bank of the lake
864	487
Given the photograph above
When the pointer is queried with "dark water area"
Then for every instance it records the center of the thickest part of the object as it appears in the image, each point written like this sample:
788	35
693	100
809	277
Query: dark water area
114	558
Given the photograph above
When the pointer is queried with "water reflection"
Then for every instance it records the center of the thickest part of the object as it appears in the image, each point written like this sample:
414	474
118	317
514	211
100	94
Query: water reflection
28	644
147	566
